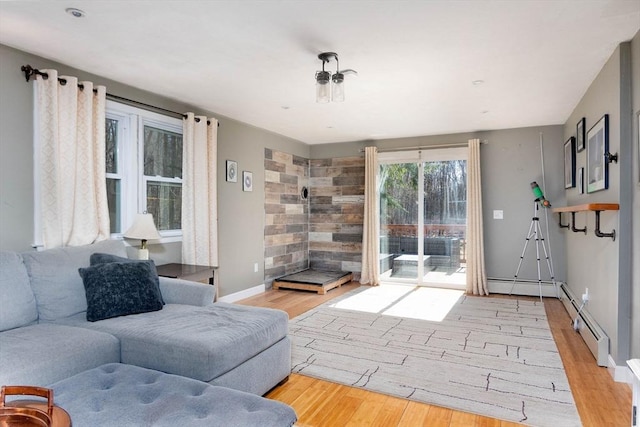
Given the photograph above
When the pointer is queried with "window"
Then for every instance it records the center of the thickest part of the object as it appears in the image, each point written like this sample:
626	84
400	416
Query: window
144	168
423	215
113	129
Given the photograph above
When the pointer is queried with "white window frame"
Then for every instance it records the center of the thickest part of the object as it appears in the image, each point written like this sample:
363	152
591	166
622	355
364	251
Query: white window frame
123	159
131	155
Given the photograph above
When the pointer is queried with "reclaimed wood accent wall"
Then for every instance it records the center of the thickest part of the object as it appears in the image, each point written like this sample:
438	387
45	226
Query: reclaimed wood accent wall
336	214
323	232
286	231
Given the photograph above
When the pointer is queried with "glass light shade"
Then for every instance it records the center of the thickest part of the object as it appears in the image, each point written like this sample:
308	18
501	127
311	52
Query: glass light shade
337	91
323	90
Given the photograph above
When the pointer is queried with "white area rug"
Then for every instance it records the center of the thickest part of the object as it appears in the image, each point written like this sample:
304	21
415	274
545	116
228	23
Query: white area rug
489	356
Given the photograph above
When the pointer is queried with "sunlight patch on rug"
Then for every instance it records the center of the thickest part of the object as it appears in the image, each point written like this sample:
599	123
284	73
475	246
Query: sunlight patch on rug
489	356
403	301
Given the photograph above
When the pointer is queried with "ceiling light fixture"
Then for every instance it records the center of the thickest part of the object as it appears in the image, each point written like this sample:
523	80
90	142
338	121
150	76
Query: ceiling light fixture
76	13
330	86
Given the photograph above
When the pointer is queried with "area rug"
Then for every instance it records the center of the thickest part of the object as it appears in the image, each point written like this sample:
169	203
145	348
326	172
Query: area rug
489	356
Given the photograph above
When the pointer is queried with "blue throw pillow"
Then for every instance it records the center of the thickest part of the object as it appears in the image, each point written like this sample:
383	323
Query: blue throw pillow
118	289
100	258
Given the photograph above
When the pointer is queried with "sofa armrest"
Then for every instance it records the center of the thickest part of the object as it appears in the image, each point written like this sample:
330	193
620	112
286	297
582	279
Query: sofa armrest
178	291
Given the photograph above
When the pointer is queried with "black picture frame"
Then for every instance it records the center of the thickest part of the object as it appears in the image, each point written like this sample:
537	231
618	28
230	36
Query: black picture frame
570	163
580	134
597	147
232	171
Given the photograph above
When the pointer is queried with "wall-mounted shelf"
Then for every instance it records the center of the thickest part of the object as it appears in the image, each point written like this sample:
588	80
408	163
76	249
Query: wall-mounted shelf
595	207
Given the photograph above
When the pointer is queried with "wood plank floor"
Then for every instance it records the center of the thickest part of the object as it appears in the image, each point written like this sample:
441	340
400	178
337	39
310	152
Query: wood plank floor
600	400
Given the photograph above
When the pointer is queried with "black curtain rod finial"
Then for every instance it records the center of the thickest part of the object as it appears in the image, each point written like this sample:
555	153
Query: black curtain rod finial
28	72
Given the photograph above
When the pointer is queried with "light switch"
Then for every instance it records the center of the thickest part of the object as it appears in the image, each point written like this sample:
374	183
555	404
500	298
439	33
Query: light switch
498	214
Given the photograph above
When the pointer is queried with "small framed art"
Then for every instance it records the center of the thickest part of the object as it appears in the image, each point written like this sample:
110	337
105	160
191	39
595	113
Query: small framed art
247	181
232	171
570	163
580	144
597	146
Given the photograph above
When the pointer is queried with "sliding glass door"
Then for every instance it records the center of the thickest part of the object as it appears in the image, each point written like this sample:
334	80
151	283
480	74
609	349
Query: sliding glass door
422	200
399	220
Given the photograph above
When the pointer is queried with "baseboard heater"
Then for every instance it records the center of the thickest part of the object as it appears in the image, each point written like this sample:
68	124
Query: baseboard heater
591	332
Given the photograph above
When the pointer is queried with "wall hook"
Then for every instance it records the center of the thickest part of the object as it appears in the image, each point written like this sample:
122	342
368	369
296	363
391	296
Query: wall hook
611	158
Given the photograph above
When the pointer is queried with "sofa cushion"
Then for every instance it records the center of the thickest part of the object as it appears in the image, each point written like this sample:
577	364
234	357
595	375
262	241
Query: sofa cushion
100	258
125	395
196	342
119	289
17	302
55	280
44	353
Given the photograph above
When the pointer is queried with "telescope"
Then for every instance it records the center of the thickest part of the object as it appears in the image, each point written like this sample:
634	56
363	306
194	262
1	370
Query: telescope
537	192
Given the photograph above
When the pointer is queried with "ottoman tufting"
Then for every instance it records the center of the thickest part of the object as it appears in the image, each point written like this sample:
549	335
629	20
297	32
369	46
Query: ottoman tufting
125	395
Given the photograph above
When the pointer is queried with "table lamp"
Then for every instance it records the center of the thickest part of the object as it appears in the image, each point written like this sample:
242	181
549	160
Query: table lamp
144	229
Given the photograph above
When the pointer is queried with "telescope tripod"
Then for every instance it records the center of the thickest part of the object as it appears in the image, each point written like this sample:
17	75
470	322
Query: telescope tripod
536	232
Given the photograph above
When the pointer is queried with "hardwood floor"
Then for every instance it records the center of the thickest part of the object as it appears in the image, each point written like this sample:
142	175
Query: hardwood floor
600	400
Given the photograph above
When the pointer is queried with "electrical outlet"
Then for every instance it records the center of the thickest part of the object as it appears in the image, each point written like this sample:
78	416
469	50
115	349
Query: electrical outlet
255	267
585	296
498	214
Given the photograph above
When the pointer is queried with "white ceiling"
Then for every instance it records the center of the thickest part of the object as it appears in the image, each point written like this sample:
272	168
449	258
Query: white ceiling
254	61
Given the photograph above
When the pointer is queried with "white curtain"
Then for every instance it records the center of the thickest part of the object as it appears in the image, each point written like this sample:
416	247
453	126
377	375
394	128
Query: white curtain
70	156
370	241
199	191
476	274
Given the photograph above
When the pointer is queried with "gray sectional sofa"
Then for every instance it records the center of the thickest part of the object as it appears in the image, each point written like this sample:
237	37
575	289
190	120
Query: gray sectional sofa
45	336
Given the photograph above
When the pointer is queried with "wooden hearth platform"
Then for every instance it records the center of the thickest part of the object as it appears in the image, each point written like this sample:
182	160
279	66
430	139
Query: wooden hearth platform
314	280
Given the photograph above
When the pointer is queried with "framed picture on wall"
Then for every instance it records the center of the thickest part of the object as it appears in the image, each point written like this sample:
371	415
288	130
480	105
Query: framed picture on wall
232	171
597	146
247	181
570	163
580	144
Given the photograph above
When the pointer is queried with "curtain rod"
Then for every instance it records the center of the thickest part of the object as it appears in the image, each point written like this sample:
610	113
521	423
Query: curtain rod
29	72
427	147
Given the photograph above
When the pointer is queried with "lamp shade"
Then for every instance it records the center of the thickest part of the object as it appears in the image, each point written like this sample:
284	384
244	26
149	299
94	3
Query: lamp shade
143	228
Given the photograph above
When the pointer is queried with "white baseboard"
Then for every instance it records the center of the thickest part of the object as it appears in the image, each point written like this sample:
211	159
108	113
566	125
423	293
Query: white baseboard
500	286
620	374
246	293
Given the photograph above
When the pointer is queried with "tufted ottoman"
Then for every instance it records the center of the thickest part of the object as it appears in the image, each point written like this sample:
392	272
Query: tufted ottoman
125	395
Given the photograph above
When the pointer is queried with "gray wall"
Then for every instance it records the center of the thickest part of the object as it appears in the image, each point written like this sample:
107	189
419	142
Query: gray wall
511	159
241	215
601	264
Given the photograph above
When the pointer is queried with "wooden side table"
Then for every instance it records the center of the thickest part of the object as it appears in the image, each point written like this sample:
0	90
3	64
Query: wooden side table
195	273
